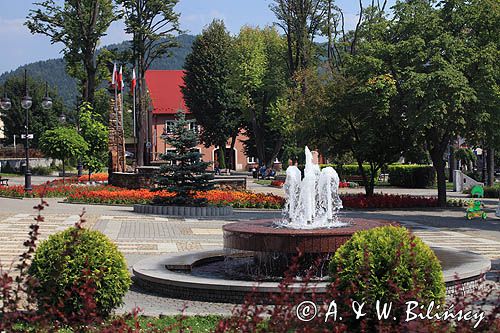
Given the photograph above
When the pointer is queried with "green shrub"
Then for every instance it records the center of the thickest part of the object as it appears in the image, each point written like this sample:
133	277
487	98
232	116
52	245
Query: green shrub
489	191
59	264
412	175
387	264
41	171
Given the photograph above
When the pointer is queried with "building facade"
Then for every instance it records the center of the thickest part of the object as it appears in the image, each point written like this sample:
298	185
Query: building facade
164	87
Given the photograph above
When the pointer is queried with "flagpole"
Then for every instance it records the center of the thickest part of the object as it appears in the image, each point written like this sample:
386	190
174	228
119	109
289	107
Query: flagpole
116	115
134	123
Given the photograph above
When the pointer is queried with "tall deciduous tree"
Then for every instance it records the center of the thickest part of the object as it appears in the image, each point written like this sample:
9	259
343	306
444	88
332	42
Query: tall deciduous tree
79	26
477	24
301	21
260	78
152	24
208	92
428	65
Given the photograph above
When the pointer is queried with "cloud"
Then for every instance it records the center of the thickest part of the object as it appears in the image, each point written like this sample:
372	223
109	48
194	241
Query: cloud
195	22
12	26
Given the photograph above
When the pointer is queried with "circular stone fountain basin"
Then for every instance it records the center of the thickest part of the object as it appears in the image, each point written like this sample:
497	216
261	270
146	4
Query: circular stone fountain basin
264	236
170	275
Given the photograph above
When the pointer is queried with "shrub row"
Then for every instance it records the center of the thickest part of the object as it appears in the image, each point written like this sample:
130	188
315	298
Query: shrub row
412	176
489	191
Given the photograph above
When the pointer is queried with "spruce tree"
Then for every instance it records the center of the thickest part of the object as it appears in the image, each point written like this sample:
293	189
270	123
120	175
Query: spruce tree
185	174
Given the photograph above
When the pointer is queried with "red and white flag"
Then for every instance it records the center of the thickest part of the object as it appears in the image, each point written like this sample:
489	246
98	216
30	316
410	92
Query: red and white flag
113	79
133	82
120	79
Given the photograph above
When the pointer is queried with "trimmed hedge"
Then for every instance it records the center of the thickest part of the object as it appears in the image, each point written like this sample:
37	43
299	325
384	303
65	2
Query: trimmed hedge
412	175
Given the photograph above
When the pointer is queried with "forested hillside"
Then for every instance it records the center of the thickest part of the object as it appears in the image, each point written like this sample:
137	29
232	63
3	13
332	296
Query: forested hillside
53	70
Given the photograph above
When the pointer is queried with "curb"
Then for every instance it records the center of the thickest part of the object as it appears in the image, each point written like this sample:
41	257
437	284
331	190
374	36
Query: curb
184	211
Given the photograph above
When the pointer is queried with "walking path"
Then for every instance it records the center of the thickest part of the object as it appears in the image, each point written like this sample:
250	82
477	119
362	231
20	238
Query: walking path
139	236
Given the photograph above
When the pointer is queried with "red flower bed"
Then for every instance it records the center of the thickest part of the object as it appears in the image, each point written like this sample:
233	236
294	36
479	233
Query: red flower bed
105	194
96	177
387	201
277	183
237	199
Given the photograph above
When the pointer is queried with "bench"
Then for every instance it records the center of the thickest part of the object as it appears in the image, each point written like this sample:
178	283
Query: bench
4	181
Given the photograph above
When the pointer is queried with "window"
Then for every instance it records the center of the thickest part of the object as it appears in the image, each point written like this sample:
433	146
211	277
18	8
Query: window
193	126
169	150
251	159
169	127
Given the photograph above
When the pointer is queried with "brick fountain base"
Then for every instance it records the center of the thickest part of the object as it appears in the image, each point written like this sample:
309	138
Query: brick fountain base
179	275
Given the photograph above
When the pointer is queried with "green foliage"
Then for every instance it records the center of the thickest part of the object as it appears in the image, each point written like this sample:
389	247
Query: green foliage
429	59
63	143
465	155
63	23
96	136
41	171
59	263
301	21
259	78
490	191
185	172
412	176
208	92
40	119
386	262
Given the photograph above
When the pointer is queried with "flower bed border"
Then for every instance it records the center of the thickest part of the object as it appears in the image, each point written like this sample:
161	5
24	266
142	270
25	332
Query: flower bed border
184	211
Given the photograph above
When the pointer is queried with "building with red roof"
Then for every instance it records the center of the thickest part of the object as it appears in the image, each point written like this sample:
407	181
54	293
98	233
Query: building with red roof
164	88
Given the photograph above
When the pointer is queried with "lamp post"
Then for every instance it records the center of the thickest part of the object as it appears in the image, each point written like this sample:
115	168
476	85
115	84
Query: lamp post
26	103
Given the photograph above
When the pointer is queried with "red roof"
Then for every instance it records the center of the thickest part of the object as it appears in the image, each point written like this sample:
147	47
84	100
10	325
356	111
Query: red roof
165	91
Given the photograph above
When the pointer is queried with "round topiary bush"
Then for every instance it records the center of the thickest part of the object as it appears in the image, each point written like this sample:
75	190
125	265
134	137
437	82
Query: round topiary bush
390	265
66	262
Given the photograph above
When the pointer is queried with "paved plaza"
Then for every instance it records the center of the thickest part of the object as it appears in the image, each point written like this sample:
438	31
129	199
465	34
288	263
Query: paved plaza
139	236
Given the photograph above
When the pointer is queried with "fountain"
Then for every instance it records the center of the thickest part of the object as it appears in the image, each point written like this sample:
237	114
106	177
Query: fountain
310	226
256	253
312	202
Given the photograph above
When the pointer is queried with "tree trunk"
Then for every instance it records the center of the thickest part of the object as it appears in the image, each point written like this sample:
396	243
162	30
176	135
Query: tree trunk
90	80
453	162
233	143
439	165
366	183
64	171
490	162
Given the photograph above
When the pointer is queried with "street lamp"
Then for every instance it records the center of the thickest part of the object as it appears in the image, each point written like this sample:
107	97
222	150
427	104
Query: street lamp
26	103
5	103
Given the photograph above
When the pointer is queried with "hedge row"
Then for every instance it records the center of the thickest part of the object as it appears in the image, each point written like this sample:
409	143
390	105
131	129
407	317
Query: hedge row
412	176
489	191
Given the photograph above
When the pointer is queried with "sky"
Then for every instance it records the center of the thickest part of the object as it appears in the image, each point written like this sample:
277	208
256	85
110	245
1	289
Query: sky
19	47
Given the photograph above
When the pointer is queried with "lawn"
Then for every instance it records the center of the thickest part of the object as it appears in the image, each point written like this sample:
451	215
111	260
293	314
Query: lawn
196	324
7	175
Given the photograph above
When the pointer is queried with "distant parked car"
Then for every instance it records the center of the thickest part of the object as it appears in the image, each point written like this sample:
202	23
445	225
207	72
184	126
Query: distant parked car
129	154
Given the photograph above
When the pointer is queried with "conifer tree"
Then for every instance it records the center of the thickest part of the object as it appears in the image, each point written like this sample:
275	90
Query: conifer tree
185	174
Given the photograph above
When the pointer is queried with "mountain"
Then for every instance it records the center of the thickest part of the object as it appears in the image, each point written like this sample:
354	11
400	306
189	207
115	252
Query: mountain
53	70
